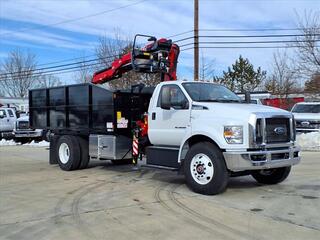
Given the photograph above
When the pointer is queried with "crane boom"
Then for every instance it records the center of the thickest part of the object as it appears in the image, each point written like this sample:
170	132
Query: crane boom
159	56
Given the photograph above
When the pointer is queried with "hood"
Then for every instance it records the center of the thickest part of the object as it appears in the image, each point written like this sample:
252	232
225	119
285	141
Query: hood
239	110
306	116
24	118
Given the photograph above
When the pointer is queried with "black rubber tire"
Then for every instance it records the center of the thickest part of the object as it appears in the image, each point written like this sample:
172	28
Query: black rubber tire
74	148
276	175
23	140
84	148
219	181
122	162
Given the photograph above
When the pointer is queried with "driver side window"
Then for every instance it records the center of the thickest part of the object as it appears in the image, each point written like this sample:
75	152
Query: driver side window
177	99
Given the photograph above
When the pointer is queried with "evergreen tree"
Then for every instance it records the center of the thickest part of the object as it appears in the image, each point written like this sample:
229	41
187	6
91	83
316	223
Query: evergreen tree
242	76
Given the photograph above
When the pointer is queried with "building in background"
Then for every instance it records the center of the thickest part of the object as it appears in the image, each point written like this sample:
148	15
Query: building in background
20	104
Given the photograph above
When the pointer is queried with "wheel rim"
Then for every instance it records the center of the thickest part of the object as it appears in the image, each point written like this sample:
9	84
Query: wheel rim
201	168
64	153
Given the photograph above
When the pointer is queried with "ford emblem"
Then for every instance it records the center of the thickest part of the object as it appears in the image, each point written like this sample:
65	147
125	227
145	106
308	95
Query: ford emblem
279	130
305	123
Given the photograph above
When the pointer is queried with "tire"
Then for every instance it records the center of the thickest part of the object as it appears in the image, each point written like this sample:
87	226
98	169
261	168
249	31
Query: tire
23	140
68	152
122	162
271	176
84	149
206	158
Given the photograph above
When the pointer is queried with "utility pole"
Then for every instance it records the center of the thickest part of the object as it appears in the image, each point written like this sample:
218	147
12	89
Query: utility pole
196	40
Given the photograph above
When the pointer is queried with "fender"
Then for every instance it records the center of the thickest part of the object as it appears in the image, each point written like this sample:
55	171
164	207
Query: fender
184	146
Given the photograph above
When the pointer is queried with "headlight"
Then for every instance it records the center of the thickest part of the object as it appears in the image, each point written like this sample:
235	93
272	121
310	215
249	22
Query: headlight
233	134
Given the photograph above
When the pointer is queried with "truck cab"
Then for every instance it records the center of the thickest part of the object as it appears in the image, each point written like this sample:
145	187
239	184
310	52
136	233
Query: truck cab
24	134
7	121
212	135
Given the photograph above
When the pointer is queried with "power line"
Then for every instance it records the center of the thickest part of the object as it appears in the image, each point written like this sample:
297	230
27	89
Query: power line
241	47
59	71
179	34
253	30
63	65
74	19
252	42
247	36
65	60
90	56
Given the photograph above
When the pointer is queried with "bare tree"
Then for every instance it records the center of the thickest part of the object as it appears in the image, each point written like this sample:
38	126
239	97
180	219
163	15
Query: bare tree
17	73
110	48
206	68
46	81
308	50
313	85
283	79
84	73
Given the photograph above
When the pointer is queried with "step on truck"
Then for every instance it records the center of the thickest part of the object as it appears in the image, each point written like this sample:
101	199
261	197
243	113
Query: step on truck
202	130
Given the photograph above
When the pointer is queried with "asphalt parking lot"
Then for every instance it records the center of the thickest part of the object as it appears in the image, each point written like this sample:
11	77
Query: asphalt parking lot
39	201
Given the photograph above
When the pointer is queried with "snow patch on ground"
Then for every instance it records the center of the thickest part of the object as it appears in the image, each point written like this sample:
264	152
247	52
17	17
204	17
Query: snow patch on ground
4	142
309	141
37	144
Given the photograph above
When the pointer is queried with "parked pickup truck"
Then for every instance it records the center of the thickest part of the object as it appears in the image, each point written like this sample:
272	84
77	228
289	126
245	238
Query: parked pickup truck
23	133
307	116
201	129
7	120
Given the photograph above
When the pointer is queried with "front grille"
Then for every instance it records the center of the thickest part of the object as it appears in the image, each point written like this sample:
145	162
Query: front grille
308	124
272	130
277	130
23	125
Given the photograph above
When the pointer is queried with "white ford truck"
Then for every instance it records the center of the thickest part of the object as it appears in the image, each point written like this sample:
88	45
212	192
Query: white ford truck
7	120
203	130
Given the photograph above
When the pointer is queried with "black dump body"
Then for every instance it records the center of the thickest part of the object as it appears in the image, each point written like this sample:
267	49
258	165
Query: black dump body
85	109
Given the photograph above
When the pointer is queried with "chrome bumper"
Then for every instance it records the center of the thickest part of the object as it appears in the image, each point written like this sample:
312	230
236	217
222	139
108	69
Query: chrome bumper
305	130
27	134
255	160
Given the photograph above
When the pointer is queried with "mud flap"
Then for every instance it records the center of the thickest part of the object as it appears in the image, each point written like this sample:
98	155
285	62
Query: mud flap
53	150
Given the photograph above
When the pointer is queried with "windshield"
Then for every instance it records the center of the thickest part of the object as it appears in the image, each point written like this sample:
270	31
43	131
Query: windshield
310	108
208	92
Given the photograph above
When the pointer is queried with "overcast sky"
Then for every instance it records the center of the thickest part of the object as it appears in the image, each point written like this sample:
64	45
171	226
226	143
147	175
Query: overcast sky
75	25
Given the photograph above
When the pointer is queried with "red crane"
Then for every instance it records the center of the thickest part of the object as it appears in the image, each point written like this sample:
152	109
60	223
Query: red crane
158	56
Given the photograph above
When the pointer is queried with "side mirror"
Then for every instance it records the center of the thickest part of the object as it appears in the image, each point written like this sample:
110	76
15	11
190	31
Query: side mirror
165	99
1	114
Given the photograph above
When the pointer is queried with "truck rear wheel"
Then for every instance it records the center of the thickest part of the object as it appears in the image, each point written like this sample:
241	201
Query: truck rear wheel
68	153
84	148
271	176
205	169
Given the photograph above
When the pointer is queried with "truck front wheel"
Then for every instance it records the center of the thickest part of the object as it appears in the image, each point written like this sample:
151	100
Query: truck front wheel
205	169
271	176
68	153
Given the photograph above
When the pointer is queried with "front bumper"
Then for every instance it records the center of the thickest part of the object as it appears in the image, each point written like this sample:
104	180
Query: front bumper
264	159
28	134
307	130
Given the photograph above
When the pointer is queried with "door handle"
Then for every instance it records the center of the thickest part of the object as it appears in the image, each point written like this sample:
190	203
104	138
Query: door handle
153	116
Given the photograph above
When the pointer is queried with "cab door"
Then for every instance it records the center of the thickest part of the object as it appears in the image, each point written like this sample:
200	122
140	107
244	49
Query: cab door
12	119
168	126
4	121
